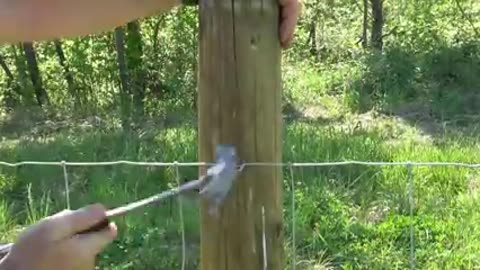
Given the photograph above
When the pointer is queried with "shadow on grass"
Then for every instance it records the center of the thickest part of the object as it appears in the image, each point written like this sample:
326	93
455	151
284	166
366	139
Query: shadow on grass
434	90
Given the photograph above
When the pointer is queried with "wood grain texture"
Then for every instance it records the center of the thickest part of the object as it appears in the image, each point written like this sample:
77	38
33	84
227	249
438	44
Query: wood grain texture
239	103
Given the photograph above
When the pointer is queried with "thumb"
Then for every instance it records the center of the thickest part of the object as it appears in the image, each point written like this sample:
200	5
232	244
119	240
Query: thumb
68	222
91	244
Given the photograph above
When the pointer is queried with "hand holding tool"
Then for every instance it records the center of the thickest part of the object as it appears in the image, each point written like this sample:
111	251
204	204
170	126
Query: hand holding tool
214	186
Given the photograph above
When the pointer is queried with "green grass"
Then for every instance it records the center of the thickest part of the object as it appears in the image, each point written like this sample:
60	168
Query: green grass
353	217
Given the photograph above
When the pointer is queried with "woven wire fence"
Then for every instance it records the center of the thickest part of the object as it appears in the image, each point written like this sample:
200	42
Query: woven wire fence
291	168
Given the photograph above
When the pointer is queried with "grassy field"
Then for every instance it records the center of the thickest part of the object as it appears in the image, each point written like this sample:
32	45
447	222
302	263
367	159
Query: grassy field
347	217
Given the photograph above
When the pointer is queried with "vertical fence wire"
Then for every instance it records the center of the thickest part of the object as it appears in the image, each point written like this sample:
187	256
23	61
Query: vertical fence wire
180	212
411	206
264	240
294	243
67	184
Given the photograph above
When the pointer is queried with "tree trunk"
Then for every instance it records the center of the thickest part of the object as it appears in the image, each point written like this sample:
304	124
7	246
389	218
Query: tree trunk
6	69
377	24
156	31
124	80
32	64
134	54
67	72
312	39
12	91
365	24
26	91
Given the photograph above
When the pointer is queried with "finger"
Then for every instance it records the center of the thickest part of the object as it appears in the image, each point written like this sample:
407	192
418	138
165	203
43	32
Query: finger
289	22
93	243
290	13
68	223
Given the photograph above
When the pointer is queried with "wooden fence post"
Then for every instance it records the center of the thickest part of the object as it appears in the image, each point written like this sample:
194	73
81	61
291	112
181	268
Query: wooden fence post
239	103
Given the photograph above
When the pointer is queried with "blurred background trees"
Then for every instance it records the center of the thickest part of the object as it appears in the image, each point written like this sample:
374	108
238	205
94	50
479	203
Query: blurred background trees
369	52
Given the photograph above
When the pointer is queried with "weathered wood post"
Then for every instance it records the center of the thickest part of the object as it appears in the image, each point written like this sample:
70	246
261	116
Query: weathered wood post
239	103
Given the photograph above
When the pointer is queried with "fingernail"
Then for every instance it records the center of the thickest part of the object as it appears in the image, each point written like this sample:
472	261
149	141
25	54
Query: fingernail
113	230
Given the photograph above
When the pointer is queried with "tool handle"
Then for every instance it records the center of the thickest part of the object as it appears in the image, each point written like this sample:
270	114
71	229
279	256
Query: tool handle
102	225
122	210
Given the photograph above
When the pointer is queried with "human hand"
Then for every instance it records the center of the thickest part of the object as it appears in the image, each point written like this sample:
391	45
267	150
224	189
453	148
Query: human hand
289	12
54	242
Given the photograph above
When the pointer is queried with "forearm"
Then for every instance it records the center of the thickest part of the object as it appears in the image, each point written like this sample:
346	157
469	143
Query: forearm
27	20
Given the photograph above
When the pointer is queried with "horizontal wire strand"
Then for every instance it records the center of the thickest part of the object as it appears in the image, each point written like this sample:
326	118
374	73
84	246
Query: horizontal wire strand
247	164
103	163
176	164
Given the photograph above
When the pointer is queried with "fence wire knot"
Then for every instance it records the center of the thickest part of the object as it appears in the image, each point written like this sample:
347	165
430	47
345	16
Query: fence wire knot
241	167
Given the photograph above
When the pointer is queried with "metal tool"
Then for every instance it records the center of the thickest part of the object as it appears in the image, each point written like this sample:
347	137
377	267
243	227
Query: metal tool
214	186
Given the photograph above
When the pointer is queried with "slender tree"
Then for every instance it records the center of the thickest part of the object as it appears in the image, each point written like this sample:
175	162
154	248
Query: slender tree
365	24
134	55
66	71
124	79
377	24
32	64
